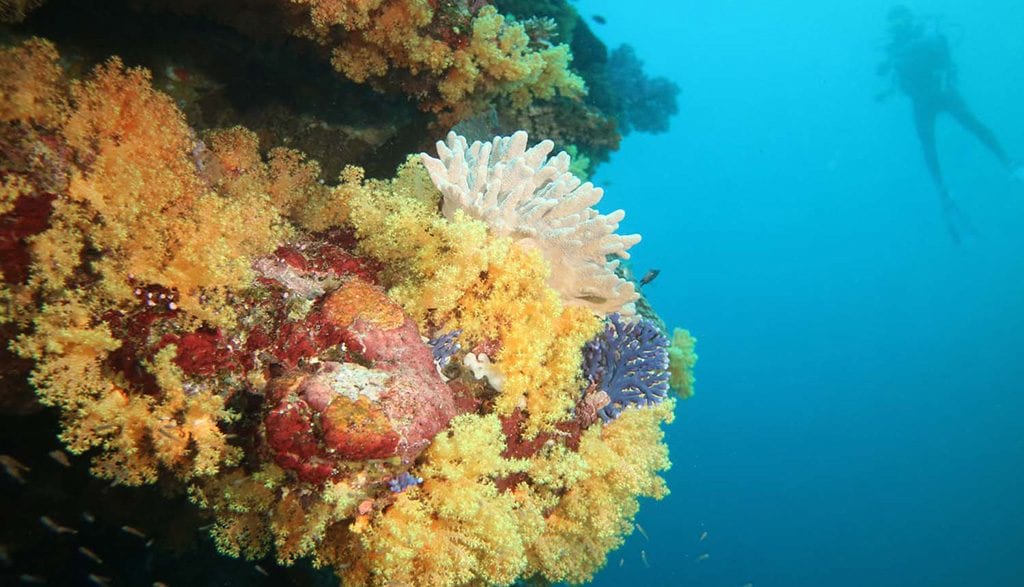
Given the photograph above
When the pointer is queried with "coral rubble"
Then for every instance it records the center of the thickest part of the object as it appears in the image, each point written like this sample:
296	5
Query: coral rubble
388	377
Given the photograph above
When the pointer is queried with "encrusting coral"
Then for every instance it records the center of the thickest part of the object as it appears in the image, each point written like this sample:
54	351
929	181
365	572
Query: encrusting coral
293	355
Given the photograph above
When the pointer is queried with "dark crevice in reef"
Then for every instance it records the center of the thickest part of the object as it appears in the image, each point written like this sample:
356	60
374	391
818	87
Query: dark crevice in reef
61	524
281	88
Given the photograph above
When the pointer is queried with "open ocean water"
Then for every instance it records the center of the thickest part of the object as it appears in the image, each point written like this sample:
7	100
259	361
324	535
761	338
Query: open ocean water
861	378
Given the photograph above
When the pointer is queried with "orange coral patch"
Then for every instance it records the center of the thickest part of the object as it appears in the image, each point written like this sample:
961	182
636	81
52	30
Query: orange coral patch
358	430
360	300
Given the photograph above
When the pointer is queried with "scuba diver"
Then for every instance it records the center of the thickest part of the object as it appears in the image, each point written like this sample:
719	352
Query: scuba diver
918	62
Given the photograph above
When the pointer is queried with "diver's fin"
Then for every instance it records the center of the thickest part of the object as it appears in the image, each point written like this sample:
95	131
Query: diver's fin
957	223
1017	172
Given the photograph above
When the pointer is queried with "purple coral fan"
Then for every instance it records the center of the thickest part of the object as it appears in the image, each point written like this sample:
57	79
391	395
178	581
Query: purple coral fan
443	346
403	481
629	362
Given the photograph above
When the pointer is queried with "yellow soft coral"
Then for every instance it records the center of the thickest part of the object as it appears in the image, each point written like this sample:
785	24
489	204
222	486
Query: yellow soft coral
234	166
256	510
69	347
498	55
540	338
138	205
138	433
186	237
462	61
428	261
456	529
622	461
240	501
30	84
681	360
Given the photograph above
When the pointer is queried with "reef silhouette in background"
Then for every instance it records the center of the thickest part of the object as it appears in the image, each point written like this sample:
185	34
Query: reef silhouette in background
649	102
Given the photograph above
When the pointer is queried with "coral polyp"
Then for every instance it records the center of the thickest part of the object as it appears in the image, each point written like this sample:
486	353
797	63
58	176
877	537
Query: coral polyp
388	377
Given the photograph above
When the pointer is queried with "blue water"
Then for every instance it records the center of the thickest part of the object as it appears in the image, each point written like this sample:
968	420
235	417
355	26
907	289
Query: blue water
861	378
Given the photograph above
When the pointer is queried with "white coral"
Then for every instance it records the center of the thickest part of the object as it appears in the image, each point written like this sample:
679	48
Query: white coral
481	367
522	194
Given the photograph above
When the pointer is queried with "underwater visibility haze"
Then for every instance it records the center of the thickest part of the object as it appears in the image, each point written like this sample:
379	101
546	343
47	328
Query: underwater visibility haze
309	292
860	375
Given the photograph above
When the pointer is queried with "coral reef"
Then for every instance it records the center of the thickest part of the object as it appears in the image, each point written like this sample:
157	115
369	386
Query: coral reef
378	376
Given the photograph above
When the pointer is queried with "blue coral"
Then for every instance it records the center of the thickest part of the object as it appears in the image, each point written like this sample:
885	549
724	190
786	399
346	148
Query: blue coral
443	346
403	481
629	362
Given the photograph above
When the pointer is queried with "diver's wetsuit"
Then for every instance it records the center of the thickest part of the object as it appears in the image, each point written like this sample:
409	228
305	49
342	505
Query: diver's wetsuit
925	73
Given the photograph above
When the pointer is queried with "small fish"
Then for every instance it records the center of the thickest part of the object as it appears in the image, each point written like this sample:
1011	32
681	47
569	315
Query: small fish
643	532
55	527
748	585
703	557
32	579
649	277
60	457
643	557
261	571
88	517
134	532
14	468
622	561
703	535
90	555
160	584
599	19
99	580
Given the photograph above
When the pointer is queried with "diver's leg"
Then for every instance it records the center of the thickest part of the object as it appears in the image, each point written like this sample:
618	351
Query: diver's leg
958	109
924	121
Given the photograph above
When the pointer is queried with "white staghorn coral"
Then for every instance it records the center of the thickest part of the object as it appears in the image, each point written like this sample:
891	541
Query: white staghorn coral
522	194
